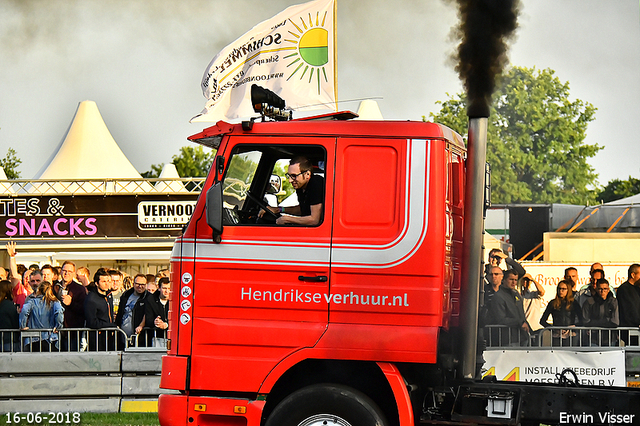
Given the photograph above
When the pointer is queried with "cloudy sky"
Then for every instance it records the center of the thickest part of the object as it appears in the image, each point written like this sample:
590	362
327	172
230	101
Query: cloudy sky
141	61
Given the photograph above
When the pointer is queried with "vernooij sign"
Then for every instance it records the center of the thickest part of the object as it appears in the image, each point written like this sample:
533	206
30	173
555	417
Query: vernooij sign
94	216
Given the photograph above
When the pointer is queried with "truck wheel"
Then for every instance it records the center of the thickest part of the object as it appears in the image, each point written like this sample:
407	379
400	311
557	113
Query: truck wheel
327	405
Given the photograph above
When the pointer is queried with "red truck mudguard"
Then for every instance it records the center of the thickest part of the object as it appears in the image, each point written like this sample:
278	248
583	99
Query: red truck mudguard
399	388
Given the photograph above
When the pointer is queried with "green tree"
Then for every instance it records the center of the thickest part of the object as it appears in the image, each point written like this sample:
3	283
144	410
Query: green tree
535	139
190	162
617	189
10	164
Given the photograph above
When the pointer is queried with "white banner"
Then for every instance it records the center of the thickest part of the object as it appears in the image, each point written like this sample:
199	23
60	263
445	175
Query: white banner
602	368
548	274
292	54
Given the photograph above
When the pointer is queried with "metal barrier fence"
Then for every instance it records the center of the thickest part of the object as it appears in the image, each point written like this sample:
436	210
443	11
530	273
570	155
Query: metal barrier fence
101	186
110	339
78	340
497	336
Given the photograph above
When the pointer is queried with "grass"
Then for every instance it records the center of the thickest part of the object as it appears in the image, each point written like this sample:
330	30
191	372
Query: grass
119	419
108	419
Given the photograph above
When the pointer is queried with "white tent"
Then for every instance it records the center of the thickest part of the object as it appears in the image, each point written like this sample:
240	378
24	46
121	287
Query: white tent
169	171
369	110
5	187
634	199
88	152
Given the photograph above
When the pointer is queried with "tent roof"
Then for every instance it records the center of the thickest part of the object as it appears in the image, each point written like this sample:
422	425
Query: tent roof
169	171
369	110
4	187
88	151
634	199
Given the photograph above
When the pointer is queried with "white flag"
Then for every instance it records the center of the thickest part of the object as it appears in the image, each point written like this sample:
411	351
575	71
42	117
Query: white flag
291	54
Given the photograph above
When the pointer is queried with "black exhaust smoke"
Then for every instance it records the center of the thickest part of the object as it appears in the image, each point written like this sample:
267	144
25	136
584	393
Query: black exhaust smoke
485	27
484	30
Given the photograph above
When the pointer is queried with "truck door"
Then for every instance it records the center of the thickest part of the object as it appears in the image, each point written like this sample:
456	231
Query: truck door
262	291
387	248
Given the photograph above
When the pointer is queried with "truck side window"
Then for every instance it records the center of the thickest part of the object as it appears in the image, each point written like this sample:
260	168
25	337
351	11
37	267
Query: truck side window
457	176
257	178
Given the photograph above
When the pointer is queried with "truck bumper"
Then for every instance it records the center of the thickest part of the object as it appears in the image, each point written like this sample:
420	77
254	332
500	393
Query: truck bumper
208	411
512	403
174	372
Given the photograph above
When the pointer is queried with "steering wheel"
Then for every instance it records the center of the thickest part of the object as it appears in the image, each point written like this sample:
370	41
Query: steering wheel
262	205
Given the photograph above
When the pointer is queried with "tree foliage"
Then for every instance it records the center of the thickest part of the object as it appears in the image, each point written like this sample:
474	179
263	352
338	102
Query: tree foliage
10	164
617	189
190	162
535	139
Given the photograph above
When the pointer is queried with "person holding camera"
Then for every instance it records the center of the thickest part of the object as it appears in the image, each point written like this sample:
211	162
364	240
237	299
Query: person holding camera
495	259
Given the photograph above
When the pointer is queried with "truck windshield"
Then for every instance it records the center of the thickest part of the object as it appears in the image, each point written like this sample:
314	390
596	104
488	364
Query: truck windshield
240	174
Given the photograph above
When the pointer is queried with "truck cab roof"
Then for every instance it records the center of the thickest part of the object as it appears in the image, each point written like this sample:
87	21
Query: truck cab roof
335	124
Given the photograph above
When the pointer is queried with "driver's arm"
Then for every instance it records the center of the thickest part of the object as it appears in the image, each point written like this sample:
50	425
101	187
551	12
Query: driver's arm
295	210
311	220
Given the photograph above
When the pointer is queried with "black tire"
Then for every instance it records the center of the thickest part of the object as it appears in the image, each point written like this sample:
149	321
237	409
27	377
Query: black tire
327	405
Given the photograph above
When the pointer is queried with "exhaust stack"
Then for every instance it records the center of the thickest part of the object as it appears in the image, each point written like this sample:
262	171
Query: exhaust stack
472	247
484	29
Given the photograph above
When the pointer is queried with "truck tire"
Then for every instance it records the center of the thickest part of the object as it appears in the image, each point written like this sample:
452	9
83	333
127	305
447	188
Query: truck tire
327	405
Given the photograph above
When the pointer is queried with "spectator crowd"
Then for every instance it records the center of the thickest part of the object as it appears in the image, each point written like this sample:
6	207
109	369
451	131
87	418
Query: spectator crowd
513	302
52	299
71	310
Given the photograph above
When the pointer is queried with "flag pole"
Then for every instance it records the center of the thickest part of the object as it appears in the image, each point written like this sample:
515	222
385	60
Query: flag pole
335	53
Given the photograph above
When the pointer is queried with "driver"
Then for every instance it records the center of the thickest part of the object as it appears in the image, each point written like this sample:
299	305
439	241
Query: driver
310	191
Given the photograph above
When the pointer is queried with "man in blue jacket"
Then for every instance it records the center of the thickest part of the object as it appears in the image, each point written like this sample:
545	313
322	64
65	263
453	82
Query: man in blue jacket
98	313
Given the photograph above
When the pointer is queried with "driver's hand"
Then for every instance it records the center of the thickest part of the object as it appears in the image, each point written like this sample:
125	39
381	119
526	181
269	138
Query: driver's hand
272	209
282	220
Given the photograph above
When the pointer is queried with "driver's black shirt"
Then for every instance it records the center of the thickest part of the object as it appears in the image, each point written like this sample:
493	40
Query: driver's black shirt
311	194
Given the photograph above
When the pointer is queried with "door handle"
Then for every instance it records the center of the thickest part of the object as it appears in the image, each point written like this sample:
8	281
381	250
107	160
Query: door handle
318	279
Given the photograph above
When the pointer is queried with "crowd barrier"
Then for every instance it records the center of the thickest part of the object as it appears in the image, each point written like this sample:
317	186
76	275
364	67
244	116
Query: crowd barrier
500	336
101	378
76	377
78	340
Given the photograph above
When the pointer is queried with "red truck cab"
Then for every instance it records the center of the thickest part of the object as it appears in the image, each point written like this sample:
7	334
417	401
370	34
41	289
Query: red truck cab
268	321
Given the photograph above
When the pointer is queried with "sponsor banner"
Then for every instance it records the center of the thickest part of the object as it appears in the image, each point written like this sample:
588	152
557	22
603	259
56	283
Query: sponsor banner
548	274
164	214
61	217
601	368
291	54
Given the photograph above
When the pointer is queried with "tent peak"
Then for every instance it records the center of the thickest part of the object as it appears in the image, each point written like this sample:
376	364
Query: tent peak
88	150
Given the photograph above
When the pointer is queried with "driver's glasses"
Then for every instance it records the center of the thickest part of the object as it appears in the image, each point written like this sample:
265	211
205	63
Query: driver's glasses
294	176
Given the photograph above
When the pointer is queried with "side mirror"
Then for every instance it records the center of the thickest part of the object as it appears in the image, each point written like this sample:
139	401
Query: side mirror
214	210
275	184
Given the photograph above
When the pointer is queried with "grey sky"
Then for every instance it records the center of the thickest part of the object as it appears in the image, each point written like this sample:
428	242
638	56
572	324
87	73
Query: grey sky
142	62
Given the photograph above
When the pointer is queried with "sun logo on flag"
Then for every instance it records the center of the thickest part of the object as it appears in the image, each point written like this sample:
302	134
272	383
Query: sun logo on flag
312	50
